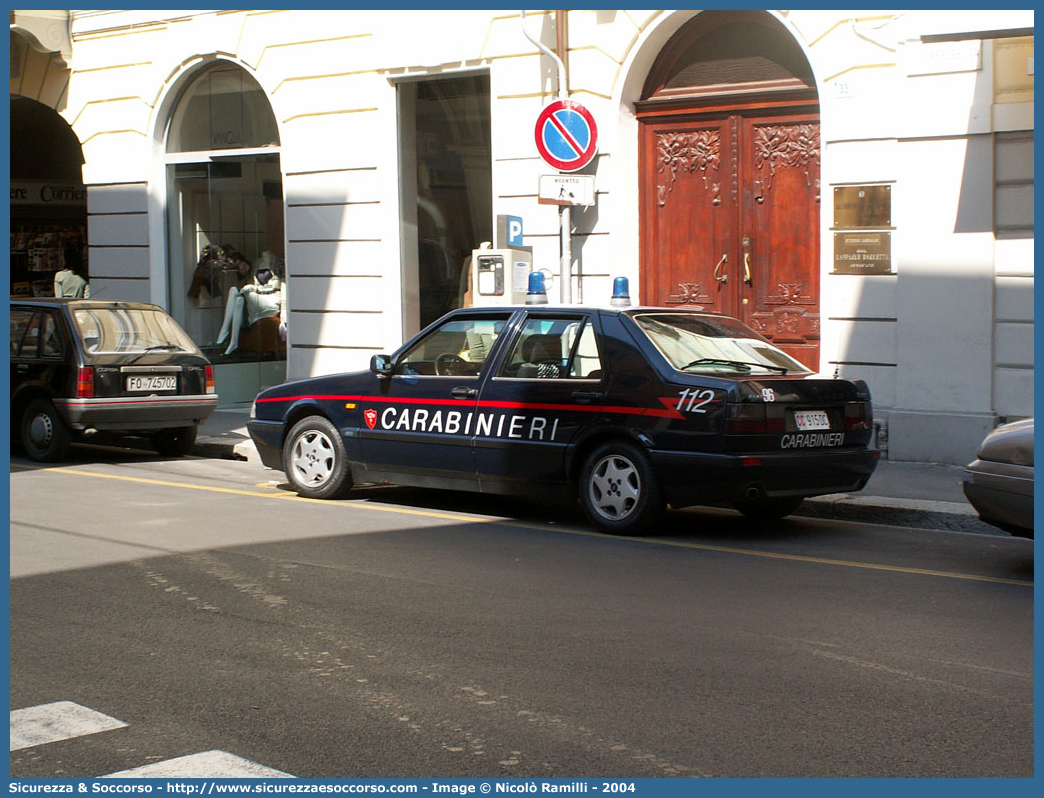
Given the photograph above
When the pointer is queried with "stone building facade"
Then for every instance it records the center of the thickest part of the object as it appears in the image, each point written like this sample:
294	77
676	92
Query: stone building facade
864	185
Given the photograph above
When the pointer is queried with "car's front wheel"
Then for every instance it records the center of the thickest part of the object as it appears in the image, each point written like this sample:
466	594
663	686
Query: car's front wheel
174	442
45	437
314	460
618	489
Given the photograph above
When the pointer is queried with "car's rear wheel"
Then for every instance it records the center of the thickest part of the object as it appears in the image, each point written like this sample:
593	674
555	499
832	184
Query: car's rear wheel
315	461
769	509
174	442
618	489
45	437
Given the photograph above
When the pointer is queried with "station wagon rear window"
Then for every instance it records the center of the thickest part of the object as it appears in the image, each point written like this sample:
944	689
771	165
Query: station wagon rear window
701	344
118	330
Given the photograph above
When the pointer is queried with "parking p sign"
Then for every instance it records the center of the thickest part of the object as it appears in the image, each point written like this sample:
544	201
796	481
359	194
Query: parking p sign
514	236
566	135
509	232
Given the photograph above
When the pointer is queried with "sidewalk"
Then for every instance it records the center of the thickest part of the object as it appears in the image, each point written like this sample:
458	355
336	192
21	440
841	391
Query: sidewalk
922	495
224	436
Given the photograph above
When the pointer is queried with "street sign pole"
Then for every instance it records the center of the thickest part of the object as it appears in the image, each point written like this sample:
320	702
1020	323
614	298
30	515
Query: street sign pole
567	139
564	216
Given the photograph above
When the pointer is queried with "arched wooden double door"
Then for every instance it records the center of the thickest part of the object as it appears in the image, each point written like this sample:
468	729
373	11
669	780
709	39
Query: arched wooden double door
730	179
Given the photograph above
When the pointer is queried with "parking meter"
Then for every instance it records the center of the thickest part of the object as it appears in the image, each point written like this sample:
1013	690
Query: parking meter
500	276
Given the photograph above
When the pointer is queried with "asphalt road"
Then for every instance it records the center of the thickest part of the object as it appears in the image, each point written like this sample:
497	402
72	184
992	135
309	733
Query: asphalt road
420	634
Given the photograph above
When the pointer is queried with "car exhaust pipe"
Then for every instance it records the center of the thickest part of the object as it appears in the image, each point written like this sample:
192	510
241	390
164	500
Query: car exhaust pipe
753	492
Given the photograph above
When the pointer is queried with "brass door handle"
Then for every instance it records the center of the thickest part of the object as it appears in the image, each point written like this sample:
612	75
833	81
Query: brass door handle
746	261
721	278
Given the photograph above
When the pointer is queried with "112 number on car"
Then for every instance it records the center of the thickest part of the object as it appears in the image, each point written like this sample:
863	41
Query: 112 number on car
694	400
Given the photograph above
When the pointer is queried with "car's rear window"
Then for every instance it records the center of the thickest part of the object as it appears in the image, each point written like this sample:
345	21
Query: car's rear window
119	330
700	344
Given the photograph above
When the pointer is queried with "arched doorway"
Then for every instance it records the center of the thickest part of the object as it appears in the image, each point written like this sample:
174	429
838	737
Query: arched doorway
729	177
48	199
225	228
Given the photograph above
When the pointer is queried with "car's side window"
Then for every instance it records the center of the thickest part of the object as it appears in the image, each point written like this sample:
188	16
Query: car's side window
459	347
586	363
51	337
25	332
554	348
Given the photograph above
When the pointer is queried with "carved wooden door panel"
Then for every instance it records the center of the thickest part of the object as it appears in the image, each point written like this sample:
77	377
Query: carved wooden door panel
780	233
730	222
688	215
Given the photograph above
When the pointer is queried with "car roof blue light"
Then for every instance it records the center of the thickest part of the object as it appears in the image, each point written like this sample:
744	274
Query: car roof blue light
537	294
621	293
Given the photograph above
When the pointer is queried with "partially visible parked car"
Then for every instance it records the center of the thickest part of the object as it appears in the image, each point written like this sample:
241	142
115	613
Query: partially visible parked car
86	366
999	483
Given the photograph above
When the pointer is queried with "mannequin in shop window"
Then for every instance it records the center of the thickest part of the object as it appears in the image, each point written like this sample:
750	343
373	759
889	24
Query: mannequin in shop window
264	297
219	268
69	281
236	271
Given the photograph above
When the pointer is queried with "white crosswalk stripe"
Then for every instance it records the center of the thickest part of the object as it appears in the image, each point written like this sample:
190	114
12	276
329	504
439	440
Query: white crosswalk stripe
208	765
61	720
65	720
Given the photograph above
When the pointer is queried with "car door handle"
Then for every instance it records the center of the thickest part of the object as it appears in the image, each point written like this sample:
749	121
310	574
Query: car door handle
464	392
586	397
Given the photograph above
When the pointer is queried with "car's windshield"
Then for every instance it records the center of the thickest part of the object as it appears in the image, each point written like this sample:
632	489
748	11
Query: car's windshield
122	330
698	343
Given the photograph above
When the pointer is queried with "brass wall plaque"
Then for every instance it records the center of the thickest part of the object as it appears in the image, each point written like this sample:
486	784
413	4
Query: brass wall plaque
863	253
862	206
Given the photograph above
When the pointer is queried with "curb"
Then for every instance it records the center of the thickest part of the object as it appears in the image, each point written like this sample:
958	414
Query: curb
224	449
897	512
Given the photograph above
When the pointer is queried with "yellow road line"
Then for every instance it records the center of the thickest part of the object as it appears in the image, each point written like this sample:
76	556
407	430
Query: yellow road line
444	515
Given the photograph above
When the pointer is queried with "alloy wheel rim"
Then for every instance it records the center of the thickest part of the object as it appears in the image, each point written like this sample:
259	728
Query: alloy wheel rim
313	458
615	487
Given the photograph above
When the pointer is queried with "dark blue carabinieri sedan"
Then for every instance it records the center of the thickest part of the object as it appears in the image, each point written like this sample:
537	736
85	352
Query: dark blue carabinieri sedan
628	410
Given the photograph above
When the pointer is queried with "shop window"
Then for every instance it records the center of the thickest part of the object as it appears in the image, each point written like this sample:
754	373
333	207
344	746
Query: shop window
227	274
446	160
48	206
223	109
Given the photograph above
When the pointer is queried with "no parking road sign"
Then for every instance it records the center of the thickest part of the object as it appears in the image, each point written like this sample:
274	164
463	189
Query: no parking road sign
566	135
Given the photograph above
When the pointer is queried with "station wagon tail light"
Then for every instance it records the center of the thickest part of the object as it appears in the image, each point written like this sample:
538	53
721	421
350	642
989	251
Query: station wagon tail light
85	382
208	374
752	419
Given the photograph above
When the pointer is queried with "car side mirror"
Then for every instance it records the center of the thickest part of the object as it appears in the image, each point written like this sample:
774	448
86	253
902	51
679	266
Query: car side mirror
381	365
